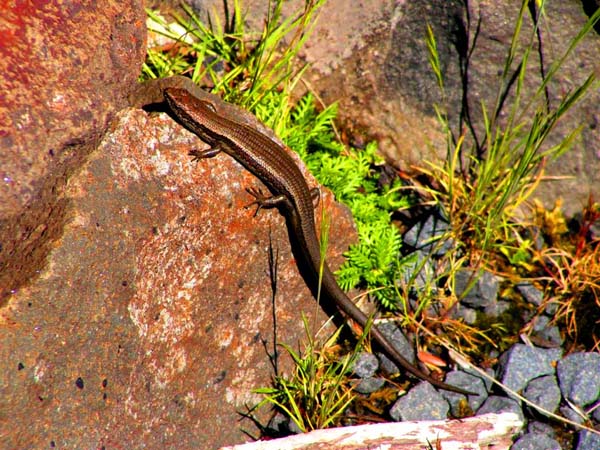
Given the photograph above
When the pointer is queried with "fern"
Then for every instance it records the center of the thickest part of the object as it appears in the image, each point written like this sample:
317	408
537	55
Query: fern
352	176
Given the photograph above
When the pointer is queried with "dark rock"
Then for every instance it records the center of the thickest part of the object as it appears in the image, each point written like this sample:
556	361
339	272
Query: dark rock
418	272
365	365
395	337
594	231
422	402
579	377
489	384
521	364
551	309
596	415
497	308
460	311
369	385
540	427
294	428
526	315
430	236
588	441
536	441
571	414
468	382
279	425
549	333
476	289
431	310
544	392
530	293
496	404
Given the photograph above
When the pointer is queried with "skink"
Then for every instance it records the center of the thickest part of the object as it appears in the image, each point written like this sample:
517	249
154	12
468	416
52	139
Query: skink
271	163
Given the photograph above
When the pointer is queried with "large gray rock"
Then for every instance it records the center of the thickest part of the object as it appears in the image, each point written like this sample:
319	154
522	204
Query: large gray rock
371	58
579	377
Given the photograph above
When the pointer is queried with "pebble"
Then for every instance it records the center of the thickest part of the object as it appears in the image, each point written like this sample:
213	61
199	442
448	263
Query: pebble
579	377
522	363
476	289
544	392
536	441
423	402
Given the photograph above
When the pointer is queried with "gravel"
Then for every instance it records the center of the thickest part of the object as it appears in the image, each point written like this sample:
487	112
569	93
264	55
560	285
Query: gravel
427	236
536	441
423	402
469	382
530	293
588	441
476	289
369	385
521	364
550	333
544	392
497	404
579	378
565	385
365	365
395	337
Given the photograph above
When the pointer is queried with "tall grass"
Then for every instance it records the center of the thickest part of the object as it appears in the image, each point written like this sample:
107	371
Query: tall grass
485	182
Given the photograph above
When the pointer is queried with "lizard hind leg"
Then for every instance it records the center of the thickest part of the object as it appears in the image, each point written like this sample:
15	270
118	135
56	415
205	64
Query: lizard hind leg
263	201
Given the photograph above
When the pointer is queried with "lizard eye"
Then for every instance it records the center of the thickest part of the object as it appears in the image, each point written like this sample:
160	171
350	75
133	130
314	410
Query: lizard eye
210	106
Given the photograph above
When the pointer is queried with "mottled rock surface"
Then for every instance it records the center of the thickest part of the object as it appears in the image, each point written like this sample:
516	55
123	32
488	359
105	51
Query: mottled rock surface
64	72
152	319
137	304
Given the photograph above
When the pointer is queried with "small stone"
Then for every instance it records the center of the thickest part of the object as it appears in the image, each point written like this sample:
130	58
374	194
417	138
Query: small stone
369	385
579	377
530	293
365	365
417	261
496	404
278	424
294	428
469	315
521	363
596	415
544	392
422	402
570	414
547	332
588	441
536	441
397	339
476	289
497	308
551	309
468	382
540	427
427	236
